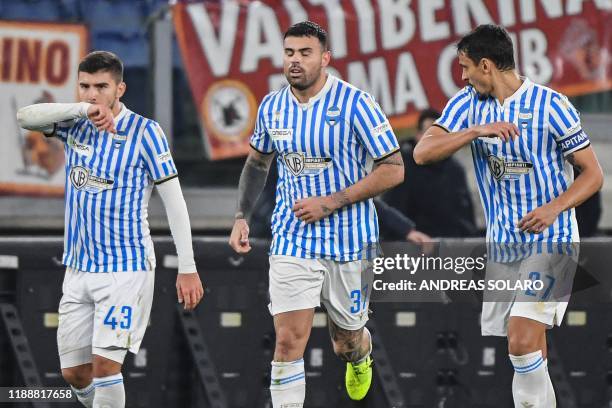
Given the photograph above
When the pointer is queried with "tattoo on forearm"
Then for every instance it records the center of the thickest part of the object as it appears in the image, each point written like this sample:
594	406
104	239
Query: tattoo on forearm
395	160
252	181
341	198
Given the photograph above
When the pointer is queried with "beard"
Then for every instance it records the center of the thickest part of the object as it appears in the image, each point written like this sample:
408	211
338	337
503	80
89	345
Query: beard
304	82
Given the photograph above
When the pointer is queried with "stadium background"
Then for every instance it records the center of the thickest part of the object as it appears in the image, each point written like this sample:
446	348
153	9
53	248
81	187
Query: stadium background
181	57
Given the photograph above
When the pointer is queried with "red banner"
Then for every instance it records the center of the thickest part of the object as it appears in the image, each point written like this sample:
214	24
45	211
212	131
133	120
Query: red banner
38	63
401	51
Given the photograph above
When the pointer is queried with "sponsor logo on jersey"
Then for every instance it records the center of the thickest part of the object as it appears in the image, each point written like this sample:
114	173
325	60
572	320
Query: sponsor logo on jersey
79	176
164	157
299	165
281	134
507	170
80	148
82	179
381	129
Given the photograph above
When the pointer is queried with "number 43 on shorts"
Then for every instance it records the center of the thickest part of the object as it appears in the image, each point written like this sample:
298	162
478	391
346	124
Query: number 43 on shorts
125	317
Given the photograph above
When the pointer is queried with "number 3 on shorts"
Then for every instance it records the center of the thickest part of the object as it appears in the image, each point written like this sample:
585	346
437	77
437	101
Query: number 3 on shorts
358	302
126	318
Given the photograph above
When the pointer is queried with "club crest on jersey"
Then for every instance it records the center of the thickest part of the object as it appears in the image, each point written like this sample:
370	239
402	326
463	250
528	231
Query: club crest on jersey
332	116
507	170
525	118
119	139
79	176
299	165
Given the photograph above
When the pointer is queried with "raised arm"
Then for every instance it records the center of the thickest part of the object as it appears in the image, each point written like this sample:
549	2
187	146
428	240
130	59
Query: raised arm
252	181
42	117
438	143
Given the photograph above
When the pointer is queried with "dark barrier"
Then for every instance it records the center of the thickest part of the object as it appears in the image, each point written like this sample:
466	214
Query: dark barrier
428	354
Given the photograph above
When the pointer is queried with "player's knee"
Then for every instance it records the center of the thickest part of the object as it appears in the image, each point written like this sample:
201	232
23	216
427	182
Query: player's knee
104	367
520	344
78	377
287	340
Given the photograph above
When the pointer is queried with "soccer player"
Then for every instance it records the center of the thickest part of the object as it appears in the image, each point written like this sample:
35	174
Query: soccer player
524	139
114	157
335	151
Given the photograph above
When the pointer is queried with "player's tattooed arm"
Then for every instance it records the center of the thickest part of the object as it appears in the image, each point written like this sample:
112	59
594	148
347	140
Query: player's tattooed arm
388	173
394	160
340	199
252	181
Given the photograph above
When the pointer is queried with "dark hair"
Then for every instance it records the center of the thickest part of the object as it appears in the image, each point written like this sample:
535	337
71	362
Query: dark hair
308	29
104	61
427	114
489	41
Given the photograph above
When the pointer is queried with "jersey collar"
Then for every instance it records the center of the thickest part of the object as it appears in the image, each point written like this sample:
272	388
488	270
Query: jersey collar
121	113
328	84
517	94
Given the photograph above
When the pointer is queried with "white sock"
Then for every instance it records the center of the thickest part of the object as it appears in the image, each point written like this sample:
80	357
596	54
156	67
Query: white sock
529	385
109	392
551	401
288	384
85	395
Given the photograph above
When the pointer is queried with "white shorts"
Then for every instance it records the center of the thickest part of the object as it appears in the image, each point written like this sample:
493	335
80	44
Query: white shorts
104	314
546	305
298	283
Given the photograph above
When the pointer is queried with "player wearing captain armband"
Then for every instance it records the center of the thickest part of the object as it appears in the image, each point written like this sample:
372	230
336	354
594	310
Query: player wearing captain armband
114	157
335	150
525	138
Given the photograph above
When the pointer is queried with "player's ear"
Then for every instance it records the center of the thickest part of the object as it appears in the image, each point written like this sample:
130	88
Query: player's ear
121	89
326	58
486	65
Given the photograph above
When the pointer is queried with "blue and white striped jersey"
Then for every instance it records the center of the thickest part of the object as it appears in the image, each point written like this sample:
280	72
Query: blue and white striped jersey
109	179
516	177
323	147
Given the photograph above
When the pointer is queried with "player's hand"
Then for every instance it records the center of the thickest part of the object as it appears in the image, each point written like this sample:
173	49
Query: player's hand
239	238
504	130
102	117
189	289
421	239
539	219
312	209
